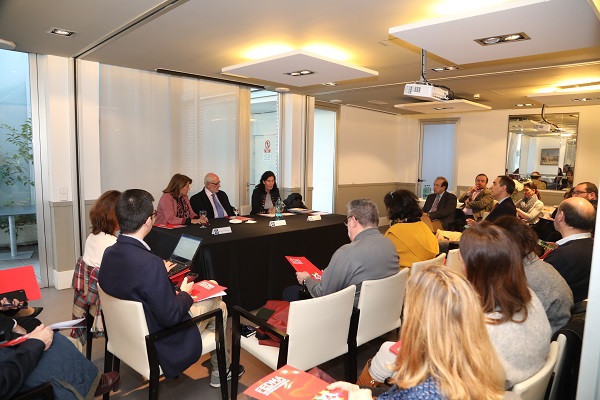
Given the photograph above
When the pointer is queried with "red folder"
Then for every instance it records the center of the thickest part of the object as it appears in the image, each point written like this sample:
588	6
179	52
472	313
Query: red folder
20	278
290	383
395	348
301	264
169	226
205	289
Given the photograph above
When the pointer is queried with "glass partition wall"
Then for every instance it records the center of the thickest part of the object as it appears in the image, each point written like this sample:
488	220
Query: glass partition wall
545	145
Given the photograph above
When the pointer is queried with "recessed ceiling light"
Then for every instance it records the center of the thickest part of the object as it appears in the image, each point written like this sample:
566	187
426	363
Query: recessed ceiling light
447	68
61	32
586	99
443	108
306	72
330	84
335	101
509	38
523	105
301	72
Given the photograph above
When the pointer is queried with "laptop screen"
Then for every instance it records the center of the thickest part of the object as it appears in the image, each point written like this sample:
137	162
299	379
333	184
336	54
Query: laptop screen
186	249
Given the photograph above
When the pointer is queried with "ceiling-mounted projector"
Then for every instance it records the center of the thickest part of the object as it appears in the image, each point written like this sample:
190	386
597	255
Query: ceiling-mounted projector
426	92
541	127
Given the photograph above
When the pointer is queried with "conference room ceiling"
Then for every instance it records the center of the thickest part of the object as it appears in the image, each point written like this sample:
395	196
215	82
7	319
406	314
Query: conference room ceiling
202	37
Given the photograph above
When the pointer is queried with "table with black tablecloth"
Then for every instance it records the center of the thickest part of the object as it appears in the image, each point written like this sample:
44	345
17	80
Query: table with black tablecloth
251	261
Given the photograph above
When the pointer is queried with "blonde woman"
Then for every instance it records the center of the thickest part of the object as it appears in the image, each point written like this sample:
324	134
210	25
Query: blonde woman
446	352
174	205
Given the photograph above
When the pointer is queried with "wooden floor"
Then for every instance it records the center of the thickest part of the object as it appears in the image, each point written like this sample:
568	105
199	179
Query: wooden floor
193	383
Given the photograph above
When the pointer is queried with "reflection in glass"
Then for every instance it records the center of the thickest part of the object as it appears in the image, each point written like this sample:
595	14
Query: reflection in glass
545	145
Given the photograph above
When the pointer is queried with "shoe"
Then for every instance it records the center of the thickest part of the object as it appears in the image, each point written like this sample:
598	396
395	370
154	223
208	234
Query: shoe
36	311
216	382
108	381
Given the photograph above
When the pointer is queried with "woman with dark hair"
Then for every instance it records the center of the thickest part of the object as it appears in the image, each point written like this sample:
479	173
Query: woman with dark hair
265	195
516	320
174	205
546	282
411	236
529	208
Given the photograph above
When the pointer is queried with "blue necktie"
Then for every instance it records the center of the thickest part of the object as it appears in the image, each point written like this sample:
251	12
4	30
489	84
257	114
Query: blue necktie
218	206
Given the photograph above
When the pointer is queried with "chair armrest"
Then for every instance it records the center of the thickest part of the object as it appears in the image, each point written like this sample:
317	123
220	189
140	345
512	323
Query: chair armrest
44	389
218	314
260	322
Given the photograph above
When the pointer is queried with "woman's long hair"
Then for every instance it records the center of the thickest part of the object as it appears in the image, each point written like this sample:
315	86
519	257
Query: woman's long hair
177	182
102	213
495	268
266	175
444	336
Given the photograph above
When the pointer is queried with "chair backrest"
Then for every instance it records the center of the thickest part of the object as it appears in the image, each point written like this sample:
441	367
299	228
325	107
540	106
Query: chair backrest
453	262
439	260
558	368
318	328
380	305
126	329
535	387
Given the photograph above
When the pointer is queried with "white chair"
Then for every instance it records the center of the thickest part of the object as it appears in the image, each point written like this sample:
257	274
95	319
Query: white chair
535	387
453	262
128	339
245	209
439	260
317	331
558	368
379	309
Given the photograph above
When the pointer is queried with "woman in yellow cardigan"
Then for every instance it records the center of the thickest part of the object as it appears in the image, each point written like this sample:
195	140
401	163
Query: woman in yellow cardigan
413	239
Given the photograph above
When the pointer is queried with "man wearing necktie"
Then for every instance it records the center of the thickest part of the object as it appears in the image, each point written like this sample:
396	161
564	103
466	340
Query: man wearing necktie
212	200
441	205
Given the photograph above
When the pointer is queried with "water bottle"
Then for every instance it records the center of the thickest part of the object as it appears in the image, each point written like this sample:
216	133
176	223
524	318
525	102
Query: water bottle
279	209
426	191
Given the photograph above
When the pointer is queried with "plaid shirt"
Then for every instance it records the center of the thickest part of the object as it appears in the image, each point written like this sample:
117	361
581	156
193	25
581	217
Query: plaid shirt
85	285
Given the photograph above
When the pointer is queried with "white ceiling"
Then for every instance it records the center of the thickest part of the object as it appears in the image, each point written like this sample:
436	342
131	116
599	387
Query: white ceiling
202	37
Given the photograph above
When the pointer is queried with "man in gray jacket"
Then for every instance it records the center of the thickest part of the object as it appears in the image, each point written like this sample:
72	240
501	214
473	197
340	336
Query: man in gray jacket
369	256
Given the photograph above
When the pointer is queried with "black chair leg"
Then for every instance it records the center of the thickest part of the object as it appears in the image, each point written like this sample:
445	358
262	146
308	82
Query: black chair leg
89	322
235	354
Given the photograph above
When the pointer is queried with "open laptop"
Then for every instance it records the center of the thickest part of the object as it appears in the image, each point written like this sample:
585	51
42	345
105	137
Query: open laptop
182	256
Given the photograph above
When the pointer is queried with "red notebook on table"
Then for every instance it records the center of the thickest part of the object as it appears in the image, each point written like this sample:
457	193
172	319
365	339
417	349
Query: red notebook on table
290	383
206	289
301	264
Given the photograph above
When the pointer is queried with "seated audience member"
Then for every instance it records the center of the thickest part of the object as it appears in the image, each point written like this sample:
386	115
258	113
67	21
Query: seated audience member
478	199
535	178
174	205
588	191
572	258
130	271
104	234
441	205
45	357
566	183
413	239
446	351
529	208
212	200
369	256
549	286
516	320
502	189
265	194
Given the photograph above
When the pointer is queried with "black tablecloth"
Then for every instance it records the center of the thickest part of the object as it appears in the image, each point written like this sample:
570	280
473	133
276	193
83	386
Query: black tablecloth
251	261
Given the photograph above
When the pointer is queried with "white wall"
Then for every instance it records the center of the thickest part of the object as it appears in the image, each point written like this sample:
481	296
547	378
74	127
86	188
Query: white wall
368	147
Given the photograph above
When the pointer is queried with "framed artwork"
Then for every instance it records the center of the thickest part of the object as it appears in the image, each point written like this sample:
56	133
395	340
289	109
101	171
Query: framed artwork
549	156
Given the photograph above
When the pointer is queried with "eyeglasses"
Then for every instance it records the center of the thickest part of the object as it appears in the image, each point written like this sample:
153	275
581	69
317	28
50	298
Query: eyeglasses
153	215
347	218
215	183
578	192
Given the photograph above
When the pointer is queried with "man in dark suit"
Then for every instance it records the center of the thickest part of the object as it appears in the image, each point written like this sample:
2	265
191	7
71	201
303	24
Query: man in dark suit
502	188
572	258
212	200
441	205
130	271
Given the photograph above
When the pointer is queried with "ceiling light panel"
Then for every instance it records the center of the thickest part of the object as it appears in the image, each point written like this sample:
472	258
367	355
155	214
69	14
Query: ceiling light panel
540	19
277	69
443	106
567	99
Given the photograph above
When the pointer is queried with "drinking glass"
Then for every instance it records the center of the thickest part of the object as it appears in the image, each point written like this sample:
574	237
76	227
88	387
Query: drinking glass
202	214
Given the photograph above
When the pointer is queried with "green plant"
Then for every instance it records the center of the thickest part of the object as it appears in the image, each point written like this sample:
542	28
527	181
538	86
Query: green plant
16	166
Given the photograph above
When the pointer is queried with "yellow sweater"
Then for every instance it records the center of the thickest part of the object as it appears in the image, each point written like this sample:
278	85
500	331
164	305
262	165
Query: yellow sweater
414	242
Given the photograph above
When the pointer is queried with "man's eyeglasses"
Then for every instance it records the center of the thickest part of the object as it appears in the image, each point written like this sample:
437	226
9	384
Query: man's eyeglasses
215	183
578	192
153	215
347	218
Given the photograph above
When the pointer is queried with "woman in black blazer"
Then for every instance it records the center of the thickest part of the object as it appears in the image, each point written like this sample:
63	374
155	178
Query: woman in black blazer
265	195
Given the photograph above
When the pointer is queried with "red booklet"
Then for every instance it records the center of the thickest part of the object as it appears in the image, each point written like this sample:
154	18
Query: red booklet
301	264
290	383
169	226
395	348
206	289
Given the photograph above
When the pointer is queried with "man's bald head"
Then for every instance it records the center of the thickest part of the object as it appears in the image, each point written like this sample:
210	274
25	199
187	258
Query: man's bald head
578	213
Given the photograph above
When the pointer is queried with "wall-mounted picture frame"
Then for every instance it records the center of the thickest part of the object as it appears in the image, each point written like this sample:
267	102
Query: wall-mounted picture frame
549	156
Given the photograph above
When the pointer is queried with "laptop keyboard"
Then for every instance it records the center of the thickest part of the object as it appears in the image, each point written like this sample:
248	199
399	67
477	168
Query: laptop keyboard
178	268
